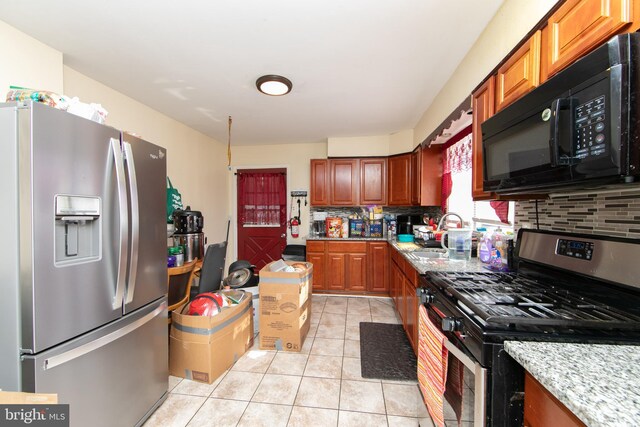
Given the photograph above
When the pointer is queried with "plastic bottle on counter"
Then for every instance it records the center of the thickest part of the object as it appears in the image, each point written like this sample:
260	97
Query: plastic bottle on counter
484	247
499	250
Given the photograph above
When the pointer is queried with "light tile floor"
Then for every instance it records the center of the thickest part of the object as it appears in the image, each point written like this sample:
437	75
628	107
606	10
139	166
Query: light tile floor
320	386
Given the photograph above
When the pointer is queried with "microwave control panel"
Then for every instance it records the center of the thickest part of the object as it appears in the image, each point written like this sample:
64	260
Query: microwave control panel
575	249
590	122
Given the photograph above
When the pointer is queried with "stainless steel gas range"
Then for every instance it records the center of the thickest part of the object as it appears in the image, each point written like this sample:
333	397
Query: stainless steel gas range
567	288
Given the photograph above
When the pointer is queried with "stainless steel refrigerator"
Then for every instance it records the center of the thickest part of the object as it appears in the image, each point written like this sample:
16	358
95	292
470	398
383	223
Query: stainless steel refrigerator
83	265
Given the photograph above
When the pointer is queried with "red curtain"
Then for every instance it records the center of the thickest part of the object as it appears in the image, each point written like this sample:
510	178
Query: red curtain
502	210
261	198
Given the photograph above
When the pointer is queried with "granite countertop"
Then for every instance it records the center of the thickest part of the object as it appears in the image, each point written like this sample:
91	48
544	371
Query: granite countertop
597	382
421	265
350	239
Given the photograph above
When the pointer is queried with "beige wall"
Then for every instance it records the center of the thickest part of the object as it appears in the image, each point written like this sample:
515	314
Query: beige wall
201	178
26	62
196	163
369	146
512	22
294	157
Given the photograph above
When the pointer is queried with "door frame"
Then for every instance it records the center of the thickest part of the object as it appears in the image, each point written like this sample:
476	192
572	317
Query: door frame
234	202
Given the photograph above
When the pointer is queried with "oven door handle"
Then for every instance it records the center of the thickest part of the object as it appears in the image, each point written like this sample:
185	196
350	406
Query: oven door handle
480	386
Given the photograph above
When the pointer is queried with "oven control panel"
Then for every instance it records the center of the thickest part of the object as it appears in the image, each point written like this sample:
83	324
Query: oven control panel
575	249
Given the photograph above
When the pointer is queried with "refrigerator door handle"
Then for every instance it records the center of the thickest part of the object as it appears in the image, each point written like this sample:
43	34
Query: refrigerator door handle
124	223
67	356
135	221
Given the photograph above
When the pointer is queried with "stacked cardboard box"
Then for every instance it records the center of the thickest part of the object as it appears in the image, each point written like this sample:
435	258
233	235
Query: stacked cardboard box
285	305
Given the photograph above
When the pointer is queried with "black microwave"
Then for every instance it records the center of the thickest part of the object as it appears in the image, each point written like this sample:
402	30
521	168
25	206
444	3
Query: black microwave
579	129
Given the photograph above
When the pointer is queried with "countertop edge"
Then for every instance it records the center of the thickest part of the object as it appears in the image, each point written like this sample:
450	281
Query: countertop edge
587	378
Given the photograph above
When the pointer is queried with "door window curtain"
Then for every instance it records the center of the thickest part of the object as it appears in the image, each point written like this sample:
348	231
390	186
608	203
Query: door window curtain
261	199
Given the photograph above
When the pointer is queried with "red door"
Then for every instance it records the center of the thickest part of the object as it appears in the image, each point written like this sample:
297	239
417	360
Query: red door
262	215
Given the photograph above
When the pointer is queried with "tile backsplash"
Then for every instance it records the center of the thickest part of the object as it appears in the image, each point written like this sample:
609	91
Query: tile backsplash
343	212
613	212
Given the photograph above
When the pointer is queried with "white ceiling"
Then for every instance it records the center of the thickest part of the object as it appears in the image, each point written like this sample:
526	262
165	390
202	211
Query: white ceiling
358	67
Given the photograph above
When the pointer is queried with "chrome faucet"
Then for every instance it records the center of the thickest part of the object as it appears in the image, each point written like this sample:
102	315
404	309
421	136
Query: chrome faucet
441	222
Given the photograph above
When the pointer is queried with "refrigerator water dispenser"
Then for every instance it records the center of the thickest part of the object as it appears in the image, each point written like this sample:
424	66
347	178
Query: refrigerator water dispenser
77	229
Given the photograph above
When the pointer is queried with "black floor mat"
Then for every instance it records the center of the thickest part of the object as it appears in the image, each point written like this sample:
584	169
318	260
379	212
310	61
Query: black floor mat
385	352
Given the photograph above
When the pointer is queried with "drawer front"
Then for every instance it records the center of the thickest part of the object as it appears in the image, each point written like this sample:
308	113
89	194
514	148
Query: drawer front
315	246
347	247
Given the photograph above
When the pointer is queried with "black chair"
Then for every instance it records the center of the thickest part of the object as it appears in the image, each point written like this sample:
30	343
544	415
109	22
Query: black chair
212	269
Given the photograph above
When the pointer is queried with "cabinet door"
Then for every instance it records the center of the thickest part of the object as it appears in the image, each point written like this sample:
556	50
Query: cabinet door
411	309
335	277
319	183
580	25
317	259
520	74
541	408
483	108
343	182
356	279
431	176
393	282
399	180
373	181
378	259
416	175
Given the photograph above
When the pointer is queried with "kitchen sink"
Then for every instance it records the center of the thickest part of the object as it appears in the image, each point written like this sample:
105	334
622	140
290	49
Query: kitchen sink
430	254
425	255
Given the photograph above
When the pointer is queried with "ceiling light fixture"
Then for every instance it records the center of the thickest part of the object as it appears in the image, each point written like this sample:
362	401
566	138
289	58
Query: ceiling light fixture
274	85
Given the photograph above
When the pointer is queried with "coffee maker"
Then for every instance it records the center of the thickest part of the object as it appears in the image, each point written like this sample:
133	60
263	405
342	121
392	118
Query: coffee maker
318	228
188	233
405	223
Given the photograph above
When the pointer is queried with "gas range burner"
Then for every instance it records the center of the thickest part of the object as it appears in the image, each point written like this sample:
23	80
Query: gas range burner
507	300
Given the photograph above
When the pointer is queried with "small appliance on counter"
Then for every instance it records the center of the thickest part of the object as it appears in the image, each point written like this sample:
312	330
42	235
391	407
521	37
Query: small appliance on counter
188	233
405	223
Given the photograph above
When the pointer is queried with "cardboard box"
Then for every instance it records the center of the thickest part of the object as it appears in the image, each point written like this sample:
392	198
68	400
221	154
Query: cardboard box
201	348
285	307
23	398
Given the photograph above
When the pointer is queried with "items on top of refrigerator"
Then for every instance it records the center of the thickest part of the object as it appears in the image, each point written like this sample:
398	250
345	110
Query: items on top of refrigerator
94	112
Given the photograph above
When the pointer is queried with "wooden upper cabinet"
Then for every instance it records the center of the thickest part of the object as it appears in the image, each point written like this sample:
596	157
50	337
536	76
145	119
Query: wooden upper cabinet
431	176
580	25
399	175
343	182
416	175
483	107
520	74
373	181
319	183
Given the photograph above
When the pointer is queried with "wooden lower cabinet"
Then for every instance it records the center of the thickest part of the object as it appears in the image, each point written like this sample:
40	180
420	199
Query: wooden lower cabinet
356	267
404	281
336	267
378	267
541	408
356	272
316	256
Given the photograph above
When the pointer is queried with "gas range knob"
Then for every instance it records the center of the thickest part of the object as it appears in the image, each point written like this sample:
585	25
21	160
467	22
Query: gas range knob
451	324
425	295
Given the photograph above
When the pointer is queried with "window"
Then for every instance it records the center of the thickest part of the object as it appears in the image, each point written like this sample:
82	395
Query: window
456	188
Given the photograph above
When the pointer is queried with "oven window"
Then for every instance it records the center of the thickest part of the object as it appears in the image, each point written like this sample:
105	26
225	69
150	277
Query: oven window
459	396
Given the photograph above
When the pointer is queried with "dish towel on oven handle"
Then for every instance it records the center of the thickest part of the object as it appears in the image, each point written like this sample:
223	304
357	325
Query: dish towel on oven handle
432	366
